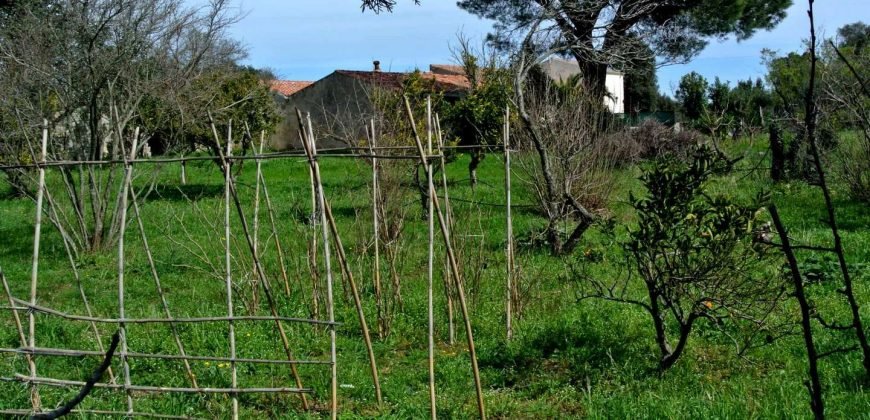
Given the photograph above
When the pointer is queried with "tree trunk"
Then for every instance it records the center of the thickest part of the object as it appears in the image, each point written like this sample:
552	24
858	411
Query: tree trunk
814	384
594	77
669	359
423	189
658	322
476	157
777	154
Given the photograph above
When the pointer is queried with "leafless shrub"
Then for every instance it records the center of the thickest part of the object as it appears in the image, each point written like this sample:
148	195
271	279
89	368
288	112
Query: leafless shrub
572	177
844	94
90	69
650	140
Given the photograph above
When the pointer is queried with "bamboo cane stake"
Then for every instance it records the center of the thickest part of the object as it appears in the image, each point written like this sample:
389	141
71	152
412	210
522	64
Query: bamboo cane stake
345	265
342	258
278	247
344	152
256	217
312	222
377	239
122	209
159	287
69	253
34	272
311	148
18	325
163	389
264	281
229	267
509	257
454	267
448	290
431	263
25	413
22	305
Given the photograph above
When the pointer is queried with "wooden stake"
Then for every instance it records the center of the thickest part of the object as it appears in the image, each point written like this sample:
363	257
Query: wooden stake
342	257
271	210
308	143
34	272
229	268
68	246
448	289
285	342
256	222
375	206
313	222
122	209
345	267
20	328
431	305
159	287
509	256
454	267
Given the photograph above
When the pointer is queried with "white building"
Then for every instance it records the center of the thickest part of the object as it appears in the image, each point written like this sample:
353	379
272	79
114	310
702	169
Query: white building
561	70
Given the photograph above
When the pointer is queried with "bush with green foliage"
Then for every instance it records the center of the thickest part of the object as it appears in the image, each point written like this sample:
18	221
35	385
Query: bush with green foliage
477	119
694	254
692	96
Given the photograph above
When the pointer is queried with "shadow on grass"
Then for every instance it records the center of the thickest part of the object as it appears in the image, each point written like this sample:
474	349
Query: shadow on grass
17	242
560	350
852	215
185	192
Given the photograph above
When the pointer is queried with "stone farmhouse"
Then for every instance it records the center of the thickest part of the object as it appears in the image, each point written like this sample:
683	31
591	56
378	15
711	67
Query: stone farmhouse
339	103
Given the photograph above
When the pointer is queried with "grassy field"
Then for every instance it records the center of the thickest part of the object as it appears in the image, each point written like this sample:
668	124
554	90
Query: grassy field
567	359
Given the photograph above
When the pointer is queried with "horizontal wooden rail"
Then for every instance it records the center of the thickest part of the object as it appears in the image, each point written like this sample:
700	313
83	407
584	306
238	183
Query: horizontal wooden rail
41	351
25	306
161	389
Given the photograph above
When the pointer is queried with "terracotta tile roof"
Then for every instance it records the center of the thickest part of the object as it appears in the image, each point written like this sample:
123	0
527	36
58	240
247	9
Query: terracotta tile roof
450	81
288	87
450	69
393	80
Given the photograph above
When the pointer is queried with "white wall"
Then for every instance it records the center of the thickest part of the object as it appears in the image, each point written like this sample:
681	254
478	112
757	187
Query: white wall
615	84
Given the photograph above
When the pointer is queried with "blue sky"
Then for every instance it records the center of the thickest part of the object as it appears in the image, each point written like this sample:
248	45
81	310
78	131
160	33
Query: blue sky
308	39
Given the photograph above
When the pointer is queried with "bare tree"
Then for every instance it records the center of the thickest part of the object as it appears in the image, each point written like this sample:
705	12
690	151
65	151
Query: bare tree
566	126
93	69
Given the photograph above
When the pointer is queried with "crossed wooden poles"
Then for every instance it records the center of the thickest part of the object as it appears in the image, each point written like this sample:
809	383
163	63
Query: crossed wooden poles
128	200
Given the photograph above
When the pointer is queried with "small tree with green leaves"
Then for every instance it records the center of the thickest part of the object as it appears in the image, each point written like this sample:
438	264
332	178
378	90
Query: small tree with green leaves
477	119
694	254
692	96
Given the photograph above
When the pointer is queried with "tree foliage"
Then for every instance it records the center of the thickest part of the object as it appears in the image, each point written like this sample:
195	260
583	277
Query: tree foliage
694	254
477	118
692	95
641	84
693	251
601	33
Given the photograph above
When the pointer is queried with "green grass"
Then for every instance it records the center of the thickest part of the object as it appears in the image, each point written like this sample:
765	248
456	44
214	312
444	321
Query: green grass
568	358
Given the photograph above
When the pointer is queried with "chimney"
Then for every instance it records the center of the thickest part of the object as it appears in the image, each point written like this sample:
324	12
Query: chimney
377	64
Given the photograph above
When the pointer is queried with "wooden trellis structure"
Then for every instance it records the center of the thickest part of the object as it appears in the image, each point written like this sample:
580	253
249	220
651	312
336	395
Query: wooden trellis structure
26	311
